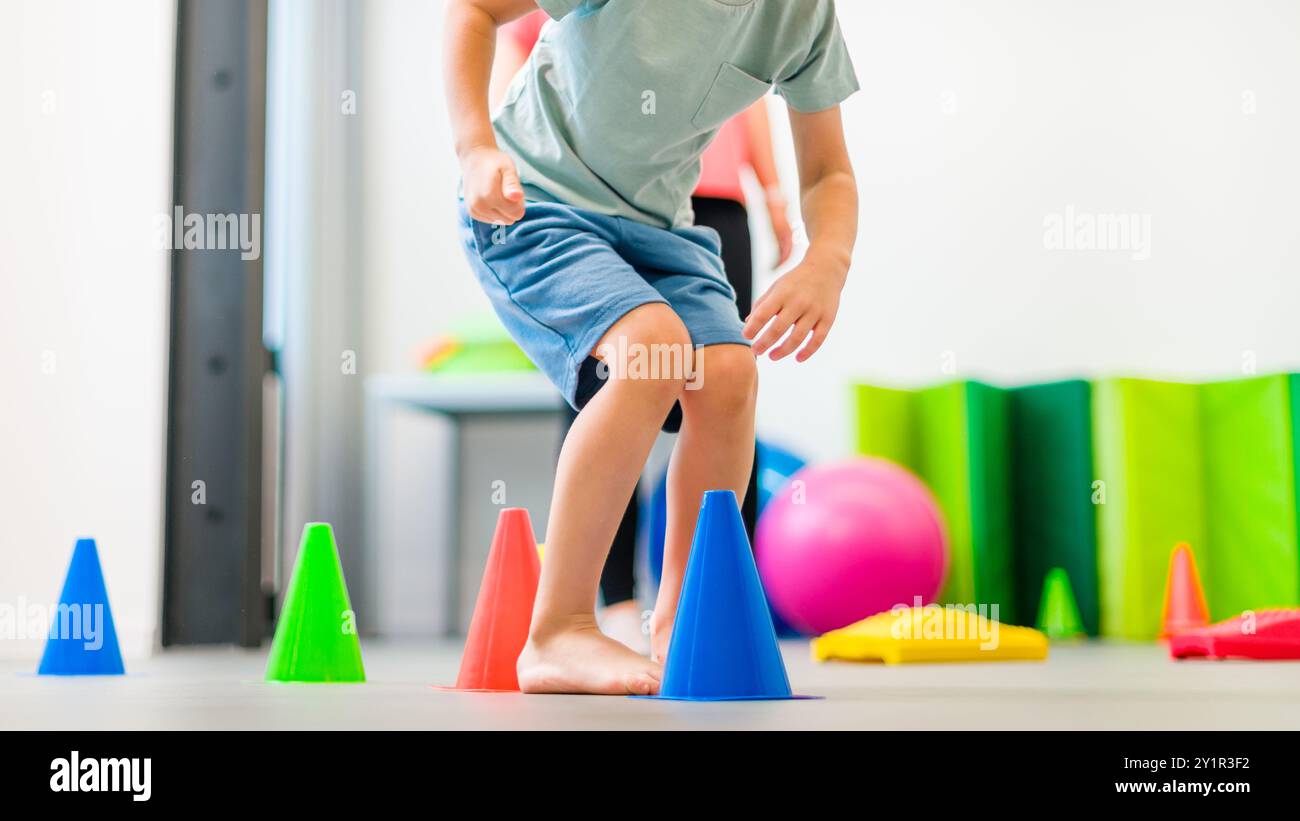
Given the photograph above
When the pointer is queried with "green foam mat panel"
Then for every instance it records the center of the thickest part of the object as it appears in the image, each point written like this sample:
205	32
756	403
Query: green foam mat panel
1053	510
954	436
1294	383
1147	448
1252	559
1104	480
988	443
1213	465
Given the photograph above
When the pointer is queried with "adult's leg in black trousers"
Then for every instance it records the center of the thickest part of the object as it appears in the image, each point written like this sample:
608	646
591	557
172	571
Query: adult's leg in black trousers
730	219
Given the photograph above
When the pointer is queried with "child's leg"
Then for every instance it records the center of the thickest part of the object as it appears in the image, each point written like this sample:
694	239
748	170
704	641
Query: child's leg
714	451
598	468
620	617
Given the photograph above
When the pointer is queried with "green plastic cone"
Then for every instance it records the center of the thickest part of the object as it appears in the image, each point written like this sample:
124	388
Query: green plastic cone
1058	615
316	636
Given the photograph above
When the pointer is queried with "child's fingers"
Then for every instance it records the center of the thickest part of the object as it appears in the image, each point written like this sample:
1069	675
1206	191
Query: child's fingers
763	299
486	213
513	211
775	330
818	337
511	196
500	209
794	340
510	187
487	205
761	314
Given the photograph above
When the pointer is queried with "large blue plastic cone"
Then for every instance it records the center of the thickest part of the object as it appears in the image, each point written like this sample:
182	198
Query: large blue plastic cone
82	640
724	645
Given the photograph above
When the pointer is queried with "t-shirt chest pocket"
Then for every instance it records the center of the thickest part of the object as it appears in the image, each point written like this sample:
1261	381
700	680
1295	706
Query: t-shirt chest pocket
733	91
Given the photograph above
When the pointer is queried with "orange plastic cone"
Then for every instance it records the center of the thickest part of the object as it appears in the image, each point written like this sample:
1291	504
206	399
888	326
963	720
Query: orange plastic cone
1185	607
504	609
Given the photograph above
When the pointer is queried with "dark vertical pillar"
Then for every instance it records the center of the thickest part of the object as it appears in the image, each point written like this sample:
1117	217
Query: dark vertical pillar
212	590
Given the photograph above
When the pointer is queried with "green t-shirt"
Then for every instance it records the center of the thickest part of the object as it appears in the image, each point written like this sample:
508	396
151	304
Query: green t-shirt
620	97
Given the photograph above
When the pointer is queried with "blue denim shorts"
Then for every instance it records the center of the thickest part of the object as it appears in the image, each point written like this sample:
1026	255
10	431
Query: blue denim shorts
561	276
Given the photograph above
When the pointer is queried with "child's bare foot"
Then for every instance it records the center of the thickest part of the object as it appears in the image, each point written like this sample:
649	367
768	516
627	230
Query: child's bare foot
622	623
578	658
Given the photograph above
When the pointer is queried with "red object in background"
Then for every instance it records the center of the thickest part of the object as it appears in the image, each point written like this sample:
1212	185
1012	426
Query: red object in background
1185	607
499	629
1267	634
525	30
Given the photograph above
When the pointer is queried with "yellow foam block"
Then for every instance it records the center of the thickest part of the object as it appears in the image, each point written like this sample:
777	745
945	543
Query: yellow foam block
931	633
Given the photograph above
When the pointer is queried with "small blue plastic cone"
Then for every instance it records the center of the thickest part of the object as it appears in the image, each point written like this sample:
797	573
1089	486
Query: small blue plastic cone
82	640
723	646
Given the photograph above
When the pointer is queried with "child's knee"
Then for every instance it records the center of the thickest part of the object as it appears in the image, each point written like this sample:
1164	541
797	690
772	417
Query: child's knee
643	325
648	348
725	382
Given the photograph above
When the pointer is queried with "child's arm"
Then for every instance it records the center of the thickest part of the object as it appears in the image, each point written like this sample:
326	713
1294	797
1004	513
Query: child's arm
807	297
490	183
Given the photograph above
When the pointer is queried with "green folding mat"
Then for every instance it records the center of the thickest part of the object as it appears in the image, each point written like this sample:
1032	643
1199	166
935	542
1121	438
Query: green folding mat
1294	382
1053	515
954	436
1248	435
1214	465
1148	458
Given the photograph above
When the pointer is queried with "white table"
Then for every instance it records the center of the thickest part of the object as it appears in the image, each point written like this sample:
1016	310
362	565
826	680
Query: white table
458	399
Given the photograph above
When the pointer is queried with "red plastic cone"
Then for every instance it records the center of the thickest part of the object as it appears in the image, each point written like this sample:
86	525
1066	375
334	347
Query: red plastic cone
499	629
1185	607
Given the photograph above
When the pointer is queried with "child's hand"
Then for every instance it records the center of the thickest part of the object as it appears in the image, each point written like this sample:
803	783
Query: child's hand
806	298
491	187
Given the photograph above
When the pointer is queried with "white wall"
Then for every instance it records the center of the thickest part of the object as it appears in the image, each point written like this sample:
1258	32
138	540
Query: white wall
417	279
977	120
85	164
1110	106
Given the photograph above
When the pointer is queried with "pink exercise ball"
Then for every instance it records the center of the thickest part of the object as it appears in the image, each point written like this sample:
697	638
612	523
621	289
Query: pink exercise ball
844	541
